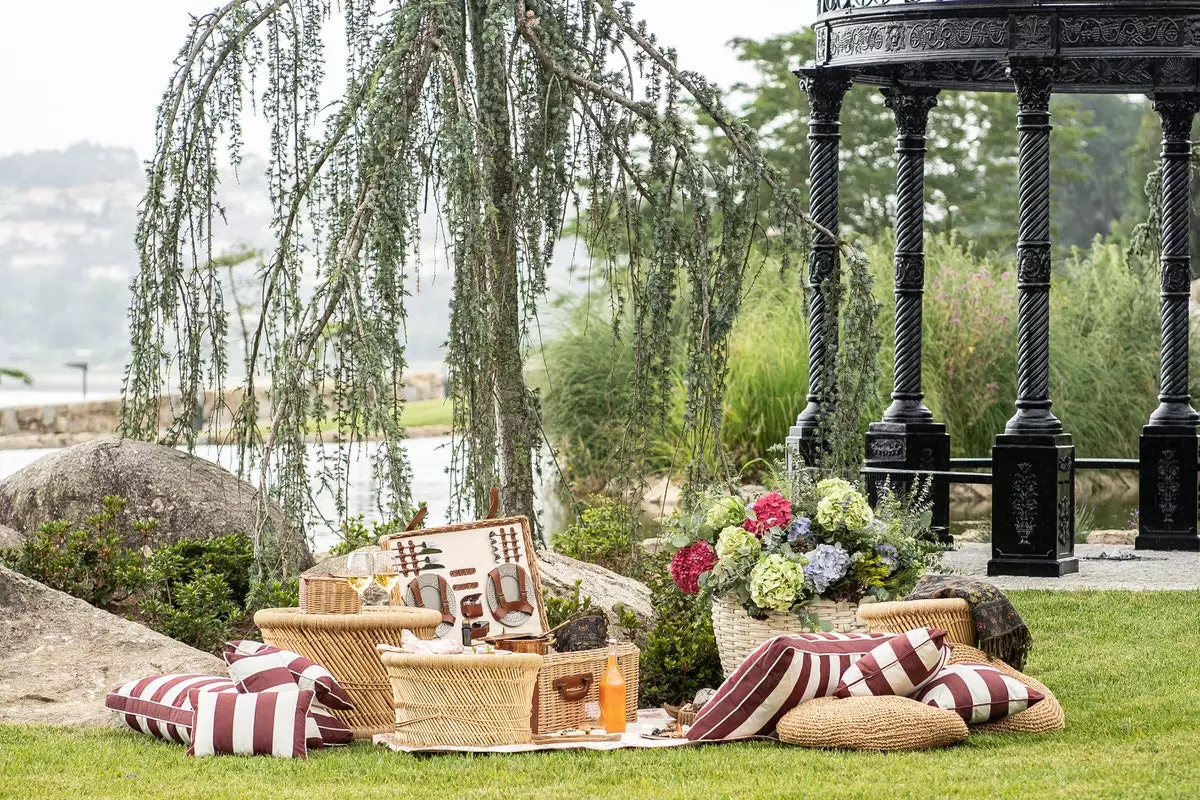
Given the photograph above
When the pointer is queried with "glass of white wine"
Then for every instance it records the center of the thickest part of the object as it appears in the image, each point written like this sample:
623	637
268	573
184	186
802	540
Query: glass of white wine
387	574
360	572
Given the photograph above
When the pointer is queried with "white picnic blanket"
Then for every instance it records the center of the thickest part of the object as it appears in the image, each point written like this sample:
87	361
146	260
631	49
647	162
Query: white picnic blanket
647	720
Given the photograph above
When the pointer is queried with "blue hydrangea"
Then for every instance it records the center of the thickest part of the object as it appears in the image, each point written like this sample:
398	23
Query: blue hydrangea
889	554
800	528
827	564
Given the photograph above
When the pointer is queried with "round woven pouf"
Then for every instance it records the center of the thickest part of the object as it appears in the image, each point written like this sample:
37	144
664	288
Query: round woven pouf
1046	716
462	700
952	614
871	723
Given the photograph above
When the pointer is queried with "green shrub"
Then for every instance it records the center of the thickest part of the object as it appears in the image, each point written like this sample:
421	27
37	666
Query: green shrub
230	557
196	589
357	532
89	561
199	611
679	653
564	608
585	398
603	535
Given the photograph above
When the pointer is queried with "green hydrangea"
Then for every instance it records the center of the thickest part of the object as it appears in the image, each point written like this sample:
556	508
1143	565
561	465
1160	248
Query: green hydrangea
735	542
849	510
834	487
723	512
775	583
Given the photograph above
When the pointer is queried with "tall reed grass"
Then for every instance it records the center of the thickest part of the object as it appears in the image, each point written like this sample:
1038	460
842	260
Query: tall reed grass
1104	356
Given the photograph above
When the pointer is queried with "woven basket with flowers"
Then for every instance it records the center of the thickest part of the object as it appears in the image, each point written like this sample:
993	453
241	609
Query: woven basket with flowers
799	558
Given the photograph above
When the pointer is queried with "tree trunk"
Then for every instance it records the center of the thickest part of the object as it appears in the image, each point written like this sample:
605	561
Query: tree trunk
514	422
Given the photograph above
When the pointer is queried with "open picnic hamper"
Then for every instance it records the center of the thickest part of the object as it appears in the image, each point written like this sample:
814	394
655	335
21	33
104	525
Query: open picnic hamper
485	574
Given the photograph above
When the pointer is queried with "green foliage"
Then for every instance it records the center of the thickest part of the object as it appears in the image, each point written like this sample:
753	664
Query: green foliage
585	397
195	590
356	532
564	608
602	535
679	653
16	374
971	179
228	557
89	561
199	611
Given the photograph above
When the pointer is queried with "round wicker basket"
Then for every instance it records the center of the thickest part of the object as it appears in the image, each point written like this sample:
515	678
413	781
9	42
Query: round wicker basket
951	614
462	700
738	633
345	645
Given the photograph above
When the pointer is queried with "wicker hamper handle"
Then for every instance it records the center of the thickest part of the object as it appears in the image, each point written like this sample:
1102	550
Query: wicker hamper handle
574	687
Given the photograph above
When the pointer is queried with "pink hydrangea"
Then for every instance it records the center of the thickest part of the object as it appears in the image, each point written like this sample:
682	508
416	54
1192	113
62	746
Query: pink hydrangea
689	563
772	510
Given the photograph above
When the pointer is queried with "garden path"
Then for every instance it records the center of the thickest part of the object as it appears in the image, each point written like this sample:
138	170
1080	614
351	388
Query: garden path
1101	566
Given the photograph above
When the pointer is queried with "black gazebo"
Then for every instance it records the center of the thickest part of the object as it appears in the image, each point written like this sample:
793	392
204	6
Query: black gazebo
914	48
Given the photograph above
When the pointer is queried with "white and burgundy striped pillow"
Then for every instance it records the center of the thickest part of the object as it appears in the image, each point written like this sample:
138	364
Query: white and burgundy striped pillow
900	666
257	667
779	675
262	724
160	705
978	693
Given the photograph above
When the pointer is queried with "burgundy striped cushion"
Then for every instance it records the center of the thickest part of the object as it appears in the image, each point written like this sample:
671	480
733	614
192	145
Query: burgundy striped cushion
978	693
263	724
781	673
258	667
328	729
160	705
898	667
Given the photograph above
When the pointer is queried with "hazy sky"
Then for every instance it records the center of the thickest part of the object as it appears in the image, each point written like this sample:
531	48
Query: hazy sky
80	70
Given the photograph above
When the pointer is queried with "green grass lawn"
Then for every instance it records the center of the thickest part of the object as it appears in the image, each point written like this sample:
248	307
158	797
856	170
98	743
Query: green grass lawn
1121	663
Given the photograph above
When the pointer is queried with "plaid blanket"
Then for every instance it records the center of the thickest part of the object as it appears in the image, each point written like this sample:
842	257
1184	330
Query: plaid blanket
1001	632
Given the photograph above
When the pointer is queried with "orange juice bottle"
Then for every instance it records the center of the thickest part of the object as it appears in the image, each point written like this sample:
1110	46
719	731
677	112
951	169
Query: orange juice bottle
612	694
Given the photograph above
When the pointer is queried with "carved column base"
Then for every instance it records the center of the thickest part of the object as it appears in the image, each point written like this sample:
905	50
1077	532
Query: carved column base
1033	506
912	445
1167	503
803	440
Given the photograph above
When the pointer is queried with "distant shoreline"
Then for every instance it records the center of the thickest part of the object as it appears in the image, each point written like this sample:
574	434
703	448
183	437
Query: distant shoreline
55	441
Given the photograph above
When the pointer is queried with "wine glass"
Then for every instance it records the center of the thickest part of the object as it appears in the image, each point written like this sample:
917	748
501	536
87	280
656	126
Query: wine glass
386	574
360	571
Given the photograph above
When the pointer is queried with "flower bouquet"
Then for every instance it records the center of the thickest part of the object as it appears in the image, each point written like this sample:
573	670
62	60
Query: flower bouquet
798	559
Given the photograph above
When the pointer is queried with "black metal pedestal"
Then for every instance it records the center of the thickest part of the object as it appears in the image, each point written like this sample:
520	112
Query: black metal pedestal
1033	506
915	446
1167	489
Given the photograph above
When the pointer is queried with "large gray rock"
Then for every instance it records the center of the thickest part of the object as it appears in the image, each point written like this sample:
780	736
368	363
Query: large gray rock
9	537
606	588
559	573
191	498
59	656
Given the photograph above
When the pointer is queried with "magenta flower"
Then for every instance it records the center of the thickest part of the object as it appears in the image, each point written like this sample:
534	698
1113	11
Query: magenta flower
690	563
772	510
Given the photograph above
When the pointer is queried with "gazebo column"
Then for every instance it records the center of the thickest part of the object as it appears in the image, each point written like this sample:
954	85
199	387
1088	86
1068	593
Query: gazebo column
908	437
1168	447
826	89
1033	461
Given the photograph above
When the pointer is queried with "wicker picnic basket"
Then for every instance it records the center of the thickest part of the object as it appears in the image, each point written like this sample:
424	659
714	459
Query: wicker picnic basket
462	700
951	614
568	682
325	594
345	645
738	633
